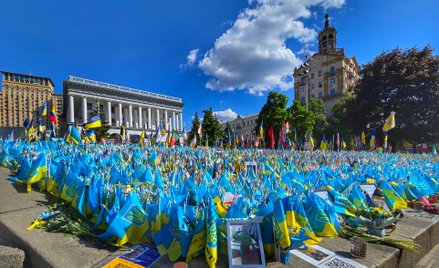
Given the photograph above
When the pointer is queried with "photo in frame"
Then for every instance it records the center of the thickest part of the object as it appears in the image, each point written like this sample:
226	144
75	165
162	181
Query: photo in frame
244	243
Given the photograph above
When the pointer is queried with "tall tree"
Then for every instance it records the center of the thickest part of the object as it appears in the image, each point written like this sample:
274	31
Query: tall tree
339	121
101	132
321	122
194	129
405	82
211	127
273	114
301	119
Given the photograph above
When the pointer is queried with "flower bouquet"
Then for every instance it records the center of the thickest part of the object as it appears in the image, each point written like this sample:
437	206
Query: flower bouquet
376	220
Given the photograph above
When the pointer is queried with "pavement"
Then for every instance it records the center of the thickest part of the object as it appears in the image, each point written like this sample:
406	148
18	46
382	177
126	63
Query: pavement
42	249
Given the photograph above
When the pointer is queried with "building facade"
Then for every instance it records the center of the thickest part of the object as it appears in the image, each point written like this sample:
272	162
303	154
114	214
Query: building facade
327	74
22	97
137	109
244	127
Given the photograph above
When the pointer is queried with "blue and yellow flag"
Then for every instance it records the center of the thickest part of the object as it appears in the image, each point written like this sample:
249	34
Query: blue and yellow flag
341	204
320	222
91	135
94	122
167	238
393	199
142	138
280	225
129	225
73	136
211	250
43	111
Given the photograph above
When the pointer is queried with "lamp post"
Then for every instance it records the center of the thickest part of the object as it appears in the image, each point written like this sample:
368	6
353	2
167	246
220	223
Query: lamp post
305	74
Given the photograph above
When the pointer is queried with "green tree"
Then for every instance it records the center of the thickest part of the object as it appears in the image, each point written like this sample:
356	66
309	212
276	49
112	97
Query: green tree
227	132
301	119
405	82
273	114
211	127
101	132
339	121
194	130
321	122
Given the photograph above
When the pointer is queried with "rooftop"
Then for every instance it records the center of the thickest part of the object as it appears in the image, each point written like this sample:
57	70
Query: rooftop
90	82
27	76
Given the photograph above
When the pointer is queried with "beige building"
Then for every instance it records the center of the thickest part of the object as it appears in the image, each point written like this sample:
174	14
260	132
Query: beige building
244	127
328	74
22	97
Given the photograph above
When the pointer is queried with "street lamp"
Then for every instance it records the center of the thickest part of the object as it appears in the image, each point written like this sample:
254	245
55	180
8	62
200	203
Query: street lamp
305	74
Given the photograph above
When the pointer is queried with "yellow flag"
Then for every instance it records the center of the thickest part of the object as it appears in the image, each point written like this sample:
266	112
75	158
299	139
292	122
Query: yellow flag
390	122
363	138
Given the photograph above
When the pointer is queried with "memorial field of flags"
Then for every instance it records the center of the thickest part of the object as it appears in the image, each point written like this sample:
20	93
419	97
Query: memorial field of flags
177	198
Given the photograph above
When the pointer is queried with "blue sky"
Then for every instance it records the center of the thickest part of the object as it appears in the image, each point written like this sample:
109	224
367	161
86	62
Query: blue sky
222	54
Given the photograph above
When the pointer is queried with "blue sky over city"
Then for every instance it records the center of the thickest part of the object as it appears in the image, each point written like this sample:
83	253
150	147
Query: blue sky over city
222	54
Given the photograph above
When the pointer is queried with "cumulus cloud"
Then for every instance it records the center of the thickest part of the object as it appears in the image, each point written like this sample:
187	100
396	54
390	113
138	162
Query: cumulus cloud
252	54
225	115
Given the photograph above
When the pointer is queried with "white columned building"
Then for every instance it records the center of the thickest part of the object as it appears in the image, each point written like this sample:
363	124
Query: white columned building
151	110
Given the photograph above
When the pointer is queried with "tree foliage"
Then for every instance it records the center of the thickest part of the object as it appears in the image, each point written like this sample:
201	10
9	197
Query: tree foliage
405	82
194	129
302	121
321	122
273	114
211	127
101	132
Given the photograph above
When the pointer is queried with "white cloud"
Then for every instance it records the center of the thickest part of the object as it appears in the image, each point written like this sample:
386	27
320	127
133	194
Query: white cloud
252	54
190	59
225	115
192	56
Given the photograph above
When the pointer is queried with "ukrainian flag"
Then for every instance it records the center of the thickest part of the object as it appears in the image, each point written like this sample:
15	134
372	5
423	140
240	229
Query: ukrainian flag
74	136
91	135
129	225
38	169
281	228
320	221
167	238
393	199
43	111
341	204
211	250
94	122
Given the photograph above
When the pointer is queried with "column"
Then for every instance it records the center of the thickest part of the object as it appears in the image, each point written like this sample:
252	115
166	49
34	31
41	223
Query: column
140	117
173	120
181	121
130	115
166	120
120	115
71	109
176	122
109	112
149	118
84	109
158	118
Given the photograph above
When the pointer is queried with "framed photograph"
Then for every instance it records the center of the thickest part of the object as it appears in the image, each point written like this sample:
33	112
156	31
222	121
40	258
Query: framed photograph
244	243
368	190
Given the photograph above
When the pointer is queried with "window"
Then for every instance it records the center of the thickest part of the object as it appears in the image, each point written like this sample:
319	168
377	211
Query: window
302	90
332	69
332	92
312	86
332	81
320	72
320	84
89	107
312	75
313	96
302	99
320	94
